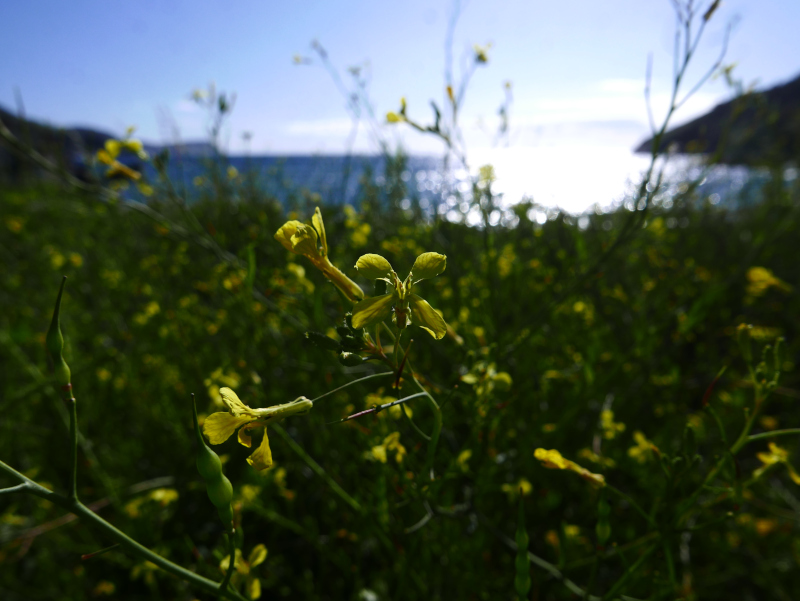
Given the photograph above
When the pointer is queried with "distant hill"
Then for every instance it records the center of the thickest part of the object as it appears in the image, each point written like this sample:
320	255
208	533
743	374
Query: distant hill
70	147
755	129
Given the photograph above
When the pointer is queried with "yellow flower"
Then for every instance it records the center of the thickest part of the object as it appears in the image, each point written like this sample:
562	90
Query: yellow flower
312	243
643	449
219	427
775	456
243	568
760	279
553	460
609	426
522	487
401	304
390	444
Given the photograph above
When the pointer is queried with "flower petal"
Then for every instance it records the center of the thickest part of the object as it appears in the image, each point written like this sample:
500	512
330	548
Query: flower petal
261	459
304	241
428	265
374	267
257	555
426	317
551	459
218	427
235	405
320	227
372	310
285	233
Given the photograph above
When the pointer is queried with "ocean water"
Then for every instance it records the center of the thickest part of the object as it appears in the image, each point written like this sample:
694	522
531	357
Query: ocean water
576	180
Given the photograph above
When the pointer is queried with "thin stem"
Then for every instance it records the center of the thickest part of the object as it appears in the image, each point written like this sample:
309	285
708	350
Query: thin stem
633	504
231	560
133	547
774	433
670	564
317	468
73	436
14	489
627	574
365	378
379	408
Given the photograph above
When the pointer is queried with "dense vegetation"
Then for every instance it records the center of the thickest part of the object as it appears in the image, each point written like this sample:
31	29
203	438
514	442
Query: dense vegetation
600	341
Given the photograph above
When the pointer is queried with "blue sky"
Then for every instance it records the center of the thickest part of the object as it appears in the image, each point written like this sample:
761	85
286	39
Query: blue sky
577	66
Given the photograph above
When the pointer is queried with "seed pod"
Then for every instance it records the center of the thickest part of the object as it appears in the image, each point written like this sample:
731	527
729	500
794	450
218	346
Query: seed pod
218	487
322	341
55	344
350	359
522	578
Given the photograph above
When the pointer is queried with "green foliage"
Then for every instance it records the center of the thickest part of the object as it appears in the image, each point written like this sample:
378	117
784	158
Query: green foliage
537	353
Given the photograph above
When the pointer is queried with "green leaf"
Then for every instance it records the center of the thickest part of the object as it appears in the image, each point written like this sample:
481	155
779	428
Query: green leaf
428	265
374	267
426	316
373	310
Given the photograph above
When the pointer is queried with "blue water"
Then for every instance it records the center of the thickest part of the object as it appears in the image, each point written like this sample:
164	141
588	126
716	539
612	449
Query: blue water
337	179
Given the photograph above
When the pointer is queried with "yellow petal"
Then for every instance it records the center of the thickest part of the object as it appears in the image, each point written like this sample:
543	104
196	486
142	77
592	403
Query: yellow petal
238	563
551	459
320	227
285	233
235	405
104	157
218	427
244	437
261	459
254	588
428	265
113	148
374	267
304	241
372	310
257	555
793	474
426	317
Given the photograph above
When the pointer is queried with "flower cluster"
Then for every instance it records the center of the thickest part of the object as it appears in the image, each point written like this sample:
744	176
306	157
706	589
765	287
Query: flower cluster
401	304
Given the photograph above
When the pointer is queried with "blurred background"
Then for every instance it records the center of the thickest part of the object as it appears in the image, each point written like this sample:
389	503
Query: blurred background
576	69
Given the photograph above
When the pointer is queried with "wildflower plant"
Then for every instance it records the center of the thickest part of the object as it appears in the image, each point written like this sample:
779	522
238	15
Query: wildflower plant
425	496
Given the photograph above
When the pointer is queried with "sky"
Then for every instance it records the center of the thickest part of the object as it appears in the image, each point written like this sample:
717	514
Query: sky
576	67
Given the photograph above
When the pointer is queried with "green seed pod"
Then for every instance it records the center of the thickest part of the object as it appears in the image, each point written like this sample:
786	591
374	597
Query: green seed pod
352	344
322	341
350	359
55	343
522	578
218	487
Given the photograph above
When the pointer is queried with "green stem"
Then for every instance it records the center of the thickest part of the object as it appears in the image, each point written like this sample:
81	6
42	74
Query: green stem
73	436
13	489
364	379
627	574
316	467
134	548
633	504
670	564
231	561
767	435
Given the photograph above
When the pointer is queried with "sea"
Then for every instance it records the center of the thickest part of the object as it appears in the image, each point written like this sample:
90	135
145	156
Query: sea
581	181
